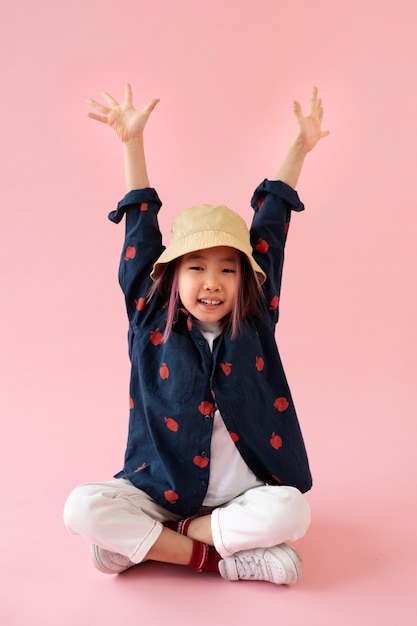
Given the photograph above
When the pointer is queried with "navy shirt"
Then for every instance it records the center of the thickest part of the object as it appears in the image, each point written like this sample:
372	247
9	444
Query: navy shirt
176	385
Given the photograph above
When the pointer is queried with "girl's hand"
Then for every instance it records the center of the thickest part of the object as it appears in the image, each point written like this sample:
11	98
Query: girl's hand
127	122
309	131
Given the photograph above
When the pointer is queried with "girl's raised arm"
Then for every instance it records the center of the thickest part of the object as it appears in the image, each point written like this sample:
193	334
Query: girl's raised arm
308	134
128	124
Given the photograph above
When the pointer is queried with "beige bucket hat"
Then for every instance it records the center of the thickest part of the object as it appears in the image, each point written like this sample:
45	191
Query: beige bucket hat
206	226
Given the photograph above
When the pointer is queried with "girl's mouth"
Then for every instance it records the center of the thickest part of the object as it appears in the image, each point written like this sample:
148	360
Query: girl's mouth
209	302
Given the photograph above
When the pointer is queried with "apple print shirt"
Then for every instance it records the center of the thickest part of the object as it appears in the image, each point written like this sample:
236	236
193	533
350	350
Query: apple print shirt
176	387
229	475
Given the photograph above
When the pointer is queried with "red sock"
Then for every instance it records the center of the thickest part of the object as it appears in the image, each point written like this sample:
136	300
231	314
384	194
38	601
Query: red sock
204	558
180	526
213	559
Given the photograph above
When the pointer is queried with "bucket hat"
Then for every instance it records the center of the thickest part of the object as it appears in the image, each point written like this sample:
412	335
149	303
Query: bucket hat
206	226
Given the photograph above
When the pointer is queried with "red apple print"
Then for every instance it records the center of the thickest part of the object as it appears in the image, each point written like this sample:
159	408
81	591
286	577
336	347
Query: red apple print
261	202
155	337
170	496
274	303
281	404
259	363
275	441
131	403
130	253
226	367
144	206
140	304
141	467
206	408
278	480
234	436
189	325
164	371
201	461
287	225
171	424
262	246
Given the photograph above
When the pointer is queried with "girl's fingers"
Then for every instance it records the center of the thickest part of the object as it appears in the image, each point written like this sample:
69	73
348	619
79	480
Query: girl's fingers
99	118
297	110
98	106
151	105
313	101
128	93
109	98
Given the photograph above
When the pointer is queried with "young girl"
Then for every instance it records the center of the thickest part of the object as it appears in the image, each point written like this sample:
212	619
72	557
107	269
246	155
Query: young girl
215	465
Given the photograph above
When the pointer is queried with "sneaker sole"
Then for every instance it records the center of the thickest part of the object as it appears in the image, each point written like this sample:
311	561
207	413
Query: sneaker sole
103	565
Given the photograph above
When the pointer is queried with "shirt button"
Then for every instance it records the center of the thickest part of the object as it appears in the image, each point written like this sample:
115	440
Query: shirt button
207	418
201	342
204	483
204	453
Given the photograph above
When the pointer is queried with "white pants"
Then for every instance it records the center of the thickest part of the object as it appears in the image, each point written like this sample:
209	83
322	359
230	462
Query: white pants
119	517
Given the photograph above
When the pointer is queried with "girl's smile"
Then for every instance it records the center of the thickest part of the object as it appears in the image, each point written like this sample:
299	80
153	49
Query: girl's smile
208	282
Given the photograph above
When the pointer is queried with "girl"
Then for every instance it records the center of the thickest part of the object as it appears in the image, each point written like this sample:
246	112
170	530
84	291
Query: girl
215	465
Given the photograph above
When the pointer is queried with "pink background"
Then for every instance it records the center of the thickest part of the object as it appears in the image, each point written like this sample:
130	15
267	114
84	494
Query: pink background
226	73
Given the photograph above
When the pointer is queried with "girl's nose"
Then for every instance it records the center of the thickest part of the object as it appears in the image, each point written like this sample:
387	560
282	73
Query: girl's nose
211	284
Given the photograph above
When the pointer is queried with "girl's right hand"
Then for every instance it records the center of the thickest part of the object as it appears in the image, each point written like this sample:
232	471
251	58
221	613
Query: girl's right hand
127	122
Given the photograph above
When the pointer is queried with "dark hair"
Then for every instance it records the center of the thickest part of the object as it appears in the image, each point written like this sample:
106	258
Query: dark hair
249	295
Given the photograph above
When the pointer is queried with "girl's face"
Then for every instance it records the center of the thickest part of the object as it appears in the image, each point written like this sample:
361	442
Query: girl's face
208	282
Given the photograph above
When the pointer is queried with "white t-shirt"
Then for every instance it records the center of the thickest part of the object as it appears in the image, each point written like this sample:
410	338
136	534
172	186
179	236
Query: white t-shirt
229	474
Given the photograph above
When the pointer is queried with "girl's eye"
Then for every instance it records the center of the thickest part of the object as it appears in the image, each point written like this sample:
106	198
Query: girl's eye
195	267
229	271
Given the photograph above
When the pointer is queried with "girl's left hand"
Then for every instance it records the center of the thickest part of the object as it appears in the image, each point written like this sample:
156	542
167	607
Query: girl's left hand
308	128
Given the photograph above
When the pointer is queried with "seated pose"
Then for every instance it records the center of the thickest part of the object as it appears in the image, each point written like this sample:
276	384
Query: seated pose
215	466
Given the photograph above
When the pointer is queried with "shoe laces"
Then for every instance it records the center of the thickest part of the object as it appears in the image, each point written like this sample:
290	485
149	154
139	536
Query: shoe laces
251	567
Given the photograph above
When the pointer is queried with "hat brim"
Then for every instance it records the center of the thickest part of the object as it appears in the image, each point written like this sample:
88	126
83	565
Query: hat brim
201	240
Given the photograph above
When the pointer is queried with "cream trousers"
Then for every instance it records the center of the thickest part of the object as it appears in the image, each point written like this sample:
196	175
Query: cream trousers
117	516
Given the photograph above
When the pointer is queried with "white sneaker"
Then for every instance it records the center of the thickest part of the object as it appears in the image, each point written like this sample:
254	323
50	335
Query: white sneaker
279	565
109	562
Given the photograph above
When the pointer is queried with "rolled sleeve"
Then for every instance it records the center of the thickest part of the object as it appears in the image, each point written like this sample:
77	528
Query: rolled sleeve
141	248
273	202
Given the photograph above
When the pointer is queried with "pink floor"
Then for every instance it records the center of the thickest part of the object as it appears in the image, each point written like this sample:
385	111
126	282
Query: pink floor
359	558
226	73
359	567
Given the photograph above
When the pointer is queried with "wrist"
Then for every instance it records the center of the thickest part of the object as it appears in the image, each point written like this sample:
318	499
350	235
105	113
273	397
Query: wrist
135	165
299	148
133	142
